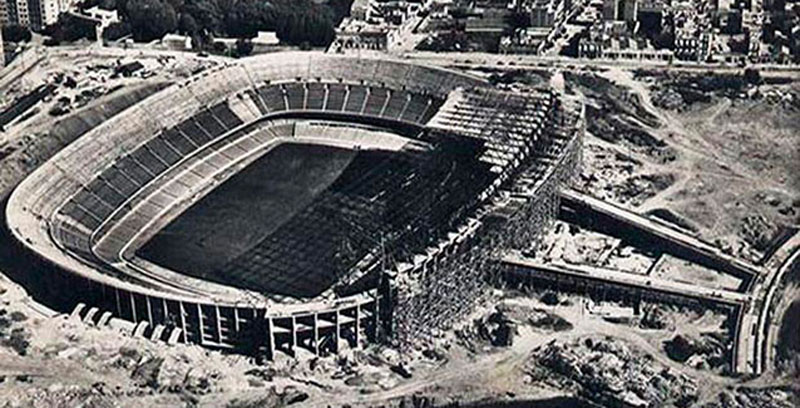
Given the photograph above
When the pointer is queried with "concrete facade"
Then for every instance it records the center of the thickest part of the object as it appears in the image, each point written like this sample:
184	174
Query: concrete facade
35	14
620	10
77	253
2	50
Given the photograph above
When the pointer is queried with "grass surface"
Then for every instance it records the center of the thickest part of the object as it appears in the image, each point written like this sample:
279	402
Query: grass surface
247	208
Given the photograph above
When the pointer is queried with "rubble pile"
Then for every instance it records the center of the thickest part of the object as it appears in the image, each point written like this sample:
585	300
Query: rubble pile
654	317
534	317
669	99
743	397
271	398
496	329
12	331
611	175
616	115
97	396
622	130
679	91
705	351
787	98
635	190
572	244
757	231
610	372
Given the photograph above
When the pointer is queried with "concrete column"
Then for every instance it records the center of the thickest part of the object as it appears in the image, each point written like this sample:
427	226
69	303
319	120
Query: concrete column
316	334
293	335
219	324
358	324
119	306
236	319
200	328
366	98
376	319
285	99
2	52
133	307
183	321
337	332
166	310
346	98
149	310
270	339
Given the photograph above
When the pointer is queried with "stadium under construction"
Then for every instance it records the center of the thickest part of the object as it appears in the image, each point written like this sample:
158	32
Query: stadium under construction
298	202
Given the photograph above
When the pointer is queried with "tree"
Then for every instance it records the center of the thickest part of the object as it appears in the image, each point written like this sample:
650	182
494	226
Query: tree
115	31
16	33
312	25
219	47
244	47
517	20
339	9
208	14
752	76
243	21
295	21
70	28
150	19
188	25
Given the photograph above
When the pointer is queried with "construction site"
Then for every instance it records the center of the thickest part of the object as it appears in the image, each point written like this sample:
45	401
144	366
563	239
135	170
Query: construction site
321	230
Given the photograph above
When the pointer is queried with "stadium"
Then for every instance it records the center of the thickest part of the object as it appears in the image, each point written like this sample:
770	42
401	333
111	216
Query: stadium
298	202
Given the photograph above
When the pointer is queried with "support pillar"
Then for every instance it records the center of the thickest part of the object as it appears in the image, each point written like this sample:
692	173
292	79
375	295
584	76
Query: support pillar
183	322
293	336
270	339
316	335
133	307
201	329
337	332
219	324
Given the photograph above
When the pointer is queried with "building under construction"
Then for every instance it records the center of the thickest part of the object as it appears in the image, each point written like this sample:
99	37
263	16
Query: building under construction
298	202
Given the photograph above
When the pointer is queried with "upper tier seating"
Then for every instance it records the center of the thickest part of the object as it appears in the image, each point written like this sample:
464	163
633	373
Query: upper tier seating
213	117
347	98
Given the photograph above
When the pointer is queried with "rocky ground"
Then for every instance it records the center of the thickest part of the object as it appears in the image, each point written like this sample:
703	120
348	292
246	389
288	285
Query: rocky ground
716	162
87	88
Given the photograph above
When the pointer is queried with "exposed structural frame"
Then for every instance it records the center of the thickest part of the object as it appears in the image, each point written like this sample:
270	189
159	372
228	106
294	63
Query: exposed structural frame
441	291
540	151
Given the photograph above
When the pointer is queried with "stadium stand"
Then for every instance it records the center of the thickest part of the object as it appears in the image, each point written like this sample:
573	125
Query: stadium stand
88	218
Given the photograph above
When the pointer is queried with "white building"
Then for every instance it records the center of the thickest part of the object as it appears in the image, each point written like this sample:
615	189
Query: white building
35	14
105	17
2	51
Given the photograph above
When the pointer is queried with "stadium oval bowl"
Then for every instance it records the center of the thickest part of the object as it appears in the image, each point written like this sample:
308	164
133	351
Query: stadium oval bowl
87	211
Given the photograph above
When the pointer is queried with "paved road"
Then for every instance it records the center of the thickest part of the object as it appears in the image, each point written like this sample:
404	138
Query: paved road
487	60
762	319
695	246
639	281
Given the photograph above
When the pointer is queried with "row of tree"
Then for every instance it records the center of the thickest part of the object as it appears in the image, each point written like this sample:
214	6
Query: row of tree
295	22
16	33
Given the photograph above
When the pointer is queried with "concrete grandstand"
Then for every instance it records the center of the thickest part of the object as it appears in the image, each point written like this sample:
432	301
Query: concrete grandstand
299	202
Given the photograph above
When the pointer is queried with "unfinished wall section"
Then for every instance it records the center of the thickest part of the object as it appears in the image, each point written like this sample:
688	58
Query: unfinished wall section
445	288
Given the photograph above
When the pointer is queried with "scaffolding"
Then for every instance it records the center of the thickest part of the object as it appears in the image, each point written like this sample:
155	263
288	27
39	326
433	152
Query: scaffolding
443	289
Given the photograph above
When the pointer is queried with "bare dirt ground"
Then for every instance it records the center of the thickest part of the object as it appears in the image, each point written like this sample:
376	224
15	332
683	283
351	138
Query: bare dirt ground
724	169
729	172
88	88
683	271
